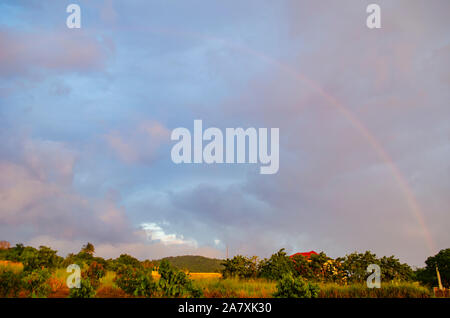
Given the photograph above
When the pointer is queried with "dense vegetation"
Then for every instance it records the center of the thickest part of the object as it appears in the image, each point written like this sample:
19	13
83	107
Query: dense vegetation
29	272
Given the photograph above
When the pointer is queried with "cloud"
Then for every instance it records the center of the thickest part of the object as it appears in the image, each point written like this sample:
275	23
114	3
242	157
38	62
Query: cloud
32	53
277	65
334	191
141	144
37	191
156	233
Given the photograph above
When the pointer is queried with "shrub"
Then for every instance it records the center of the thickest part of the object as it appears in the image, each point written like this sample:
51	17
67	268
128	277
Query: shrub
10	282
86	290
36	283
94	272
277	266
175	283
135	281
295	287
302	267
391	269
332	272
240	266
33	259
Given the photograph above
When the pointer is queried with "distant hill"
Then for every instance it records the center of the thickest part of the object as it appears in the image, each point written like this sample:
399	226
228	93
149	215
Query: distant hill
195	264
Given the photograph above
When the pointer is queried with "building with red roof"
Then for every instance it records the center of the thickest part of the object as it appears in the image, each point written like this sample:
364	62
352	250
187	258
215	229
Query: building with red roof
307	255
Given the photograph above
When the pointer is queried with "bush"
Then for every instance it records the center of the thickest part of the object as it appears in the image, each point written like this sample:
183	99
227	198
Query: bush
175	283
33	259
319	267
391	269
10	282
86	290
277	266
94	272
135	281
295	287
36	283
240	266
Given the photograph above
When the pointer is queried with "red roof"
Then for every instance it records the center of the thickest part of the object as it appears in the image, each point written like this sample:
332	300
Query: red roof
306	254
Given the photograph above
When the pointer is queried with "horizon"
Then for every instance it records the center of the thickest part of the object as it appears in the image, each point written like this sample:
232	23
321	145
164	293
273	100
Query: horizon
213	257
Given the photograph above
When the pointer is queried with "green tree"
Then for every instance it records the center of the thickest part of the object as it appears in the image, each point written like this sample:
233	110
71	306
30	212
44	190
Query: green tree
94	273
276	266
88	249
302	267
356	264
10	282
240	266
36	283
428	275
127	260
391	269
135	281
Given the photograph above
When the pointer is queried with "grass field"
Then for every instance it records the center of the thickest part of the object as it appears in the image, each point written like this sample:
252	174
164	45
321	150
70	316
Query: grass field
213	286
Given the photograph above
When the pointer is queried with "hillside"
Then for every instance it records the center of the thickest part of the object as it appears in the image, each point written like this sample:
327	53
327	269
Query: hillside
195	264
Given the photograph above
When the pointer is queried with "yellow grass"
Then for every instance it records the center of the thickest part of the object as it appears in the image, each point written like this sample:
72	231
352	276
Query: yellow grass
17	267
232	287
194	275
205	275
108	279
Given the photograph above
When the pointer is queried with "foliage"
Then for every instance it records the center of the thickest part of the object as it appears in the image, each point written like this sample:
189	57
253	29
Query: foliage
135	281
302	266
240	266
33	258
428	274
332	271
88	249
391	269
36	283
319	267
10	282
86	289
276	266
85	257
175	283
94	272
295	287
125	260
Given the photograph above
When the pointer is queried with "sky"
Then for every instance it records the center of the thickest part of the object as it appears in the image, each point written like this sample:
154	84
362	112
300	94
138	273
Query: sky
86	117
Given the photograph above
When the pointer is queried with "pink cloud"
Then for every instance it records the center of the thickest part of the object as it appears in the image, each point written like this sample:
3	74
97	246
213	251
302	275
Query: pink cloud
141	144
26	53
